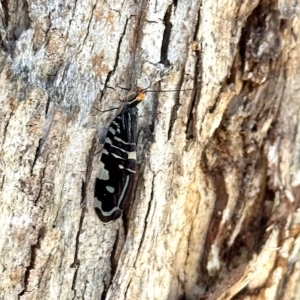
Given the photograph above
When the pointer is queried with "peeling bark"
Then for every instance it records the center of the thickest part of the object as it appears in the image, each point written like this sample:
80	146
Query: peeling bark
215	212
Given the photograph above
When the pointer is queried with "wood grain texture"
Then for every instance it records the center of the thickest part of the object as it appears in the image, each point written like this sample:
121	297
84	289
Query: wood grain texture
215	208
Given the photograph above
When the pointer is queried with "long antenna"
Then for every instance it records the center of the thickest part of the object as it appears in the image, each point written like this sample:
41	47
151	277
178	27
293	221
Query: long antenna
162	91
106	109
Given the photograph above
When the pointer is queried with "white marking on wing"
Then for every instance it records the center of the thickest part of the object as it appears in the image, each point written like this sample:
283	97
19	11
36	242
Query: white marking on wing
119	140
108	140
103	173
131	155
110	188
112	130
116	156
124	190
98	203
104	151
122	167
119	148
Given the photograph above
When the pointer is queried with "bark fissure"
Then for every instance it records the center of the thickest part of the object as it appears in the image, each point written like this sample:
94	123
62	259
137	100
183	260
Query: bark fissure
127	288
190	130
175	108
106	288
5	128
117	58
89	23
151	199
5	9
40	188
37	154
115	255
166	37
27	271
32	261
197	83
88	174
76	262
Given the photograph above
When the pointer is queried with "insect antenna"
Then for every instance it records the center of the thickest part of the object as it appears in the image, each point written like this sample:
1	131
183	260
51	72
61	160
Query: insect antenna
163	91
123	88
117	96
106	110
160	91
149	84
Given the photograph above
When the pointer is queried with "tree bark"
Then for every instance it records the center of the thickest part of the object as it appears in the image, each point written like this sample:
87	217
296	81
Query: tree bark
215	210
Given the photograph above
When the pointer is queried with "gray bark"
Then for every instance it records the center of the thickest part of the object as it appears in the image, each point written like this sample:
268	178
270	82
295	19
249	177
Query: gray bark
215	209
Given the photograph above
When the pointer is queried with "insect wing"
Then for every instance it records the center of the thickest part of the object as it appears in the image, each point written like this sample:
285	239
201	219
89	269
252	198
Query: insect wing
115	180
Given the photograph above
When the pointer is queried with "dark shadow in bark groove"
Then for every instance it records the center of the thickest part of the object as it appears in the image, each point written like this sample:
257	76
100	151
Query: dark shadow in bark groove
166	37
197	92
31	266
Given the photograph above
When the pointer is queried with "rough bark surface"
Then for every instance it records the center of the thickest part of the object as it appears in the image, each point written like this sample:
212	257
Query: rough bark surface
215	212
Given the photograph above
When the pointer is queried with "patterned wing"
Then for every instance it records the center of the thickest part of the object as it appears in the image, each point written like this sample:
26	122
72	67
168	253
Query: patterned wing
115	180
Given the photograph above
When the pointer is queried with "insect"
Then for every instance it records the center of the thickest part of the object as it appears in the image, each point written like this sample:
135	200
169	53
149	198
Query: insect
114	183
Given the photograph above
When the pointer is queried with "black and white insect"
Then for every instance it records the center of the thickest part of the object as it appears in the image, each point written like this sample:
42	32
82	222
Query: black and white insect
114	183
